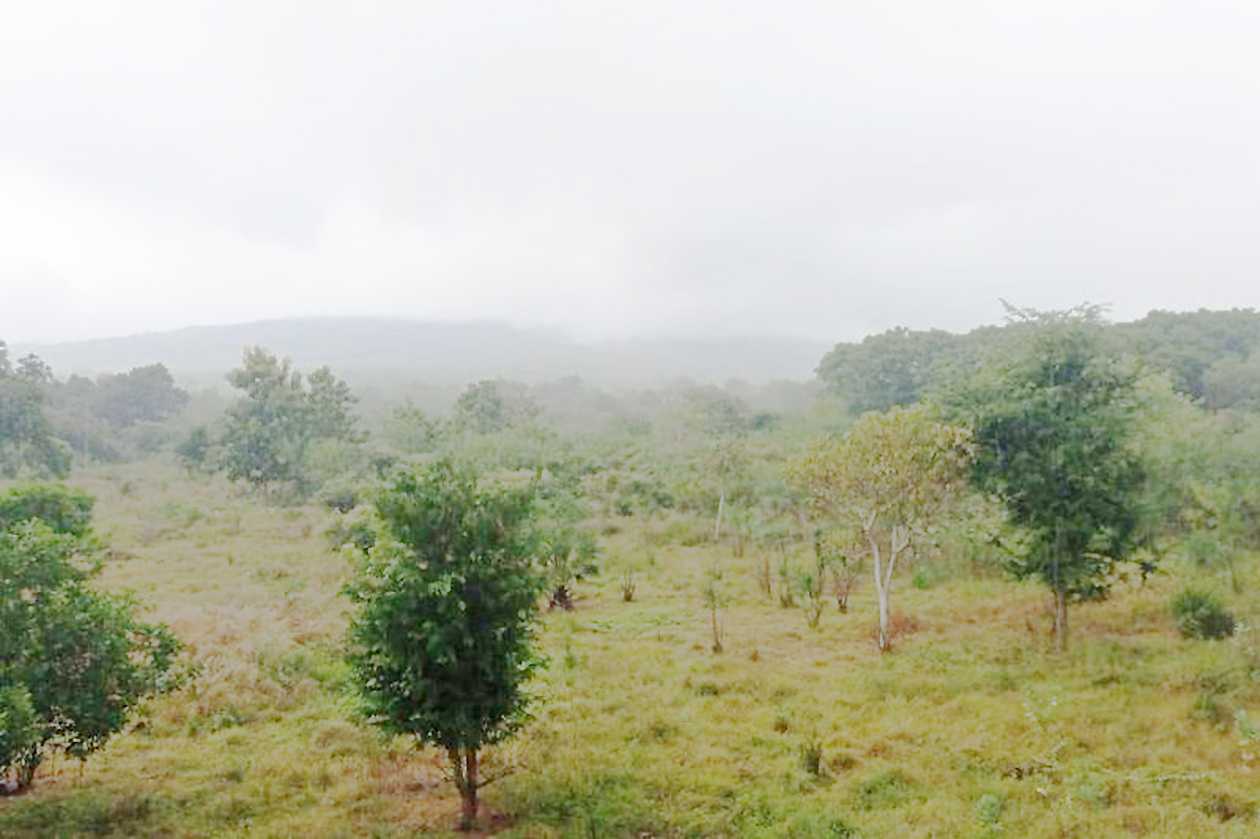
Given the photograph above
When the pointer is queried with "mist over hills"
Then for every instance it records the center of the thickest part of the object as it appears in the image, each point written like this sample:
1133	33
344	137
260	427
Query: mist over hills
439	353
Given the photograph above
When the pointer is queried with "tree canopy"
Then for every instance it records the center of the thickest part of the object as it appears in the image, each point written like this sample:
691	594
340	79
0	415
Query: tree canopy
269	431
885	479
443	634
1052	428
73	661
27	441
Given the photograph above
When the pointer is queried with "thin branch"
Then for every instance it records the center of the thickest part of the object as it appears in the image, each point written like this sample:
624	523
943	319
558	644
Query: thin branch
490	780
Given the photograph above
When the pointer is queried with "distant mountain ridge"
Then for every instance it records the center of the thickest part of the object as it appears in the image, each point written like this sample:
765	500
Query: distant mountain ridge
439	353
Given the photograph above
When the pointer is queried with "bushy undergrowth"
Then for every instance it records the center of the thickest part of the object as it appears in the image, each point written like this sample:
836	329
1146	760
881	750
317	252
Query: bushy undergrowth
1201	614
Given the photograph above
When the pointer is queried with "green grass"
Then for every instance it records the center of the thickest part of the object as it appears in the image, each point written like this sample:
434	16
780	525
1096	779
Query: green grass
971	727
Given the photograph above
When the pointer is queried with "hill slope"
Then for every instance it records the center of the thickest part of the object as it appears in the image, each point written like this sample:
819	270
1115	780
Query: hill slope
441	353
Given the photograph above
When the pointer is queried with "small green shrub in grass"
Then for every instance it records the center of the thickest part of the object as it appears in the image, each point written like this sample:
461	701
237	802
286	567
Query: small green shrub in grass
989	808
1200	614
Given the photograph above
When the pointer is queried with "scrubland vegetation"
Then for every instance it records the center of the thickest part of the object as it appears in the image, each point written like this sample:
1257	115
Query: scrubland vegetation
715	616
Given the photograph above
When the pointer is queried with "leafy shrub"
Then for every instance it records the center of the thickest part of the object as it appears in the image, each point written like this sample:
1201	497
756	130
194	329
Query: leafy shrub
18	731
357	533
62	509
989	808
340	499
810	585
1200	614
193	452
885	791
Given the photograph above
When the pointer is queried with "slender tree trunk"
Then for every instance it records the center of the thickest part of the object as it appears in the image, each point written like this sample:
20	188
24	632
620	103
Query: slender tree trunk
881	591
717	630
885	642
1060	620
717	525
469	817
464	764
898	541
1060	596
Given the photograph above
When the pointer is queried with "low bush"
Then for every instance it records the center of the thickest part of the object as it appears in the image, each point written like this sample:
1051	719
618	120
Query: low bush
1200	614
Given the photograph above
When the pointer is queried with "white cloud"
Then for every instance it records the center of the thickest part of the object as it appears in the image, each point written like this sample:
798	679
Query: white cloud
817	169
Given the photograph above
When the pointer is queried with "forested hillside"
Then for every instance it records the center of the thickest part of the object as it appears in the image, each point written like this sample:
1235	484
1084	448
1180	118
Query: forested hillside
385	351
1211	357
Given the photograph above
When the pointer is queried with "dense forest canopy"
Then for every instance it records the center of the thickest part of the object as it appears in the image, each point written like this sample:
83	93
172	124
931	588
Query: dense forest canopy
1210	355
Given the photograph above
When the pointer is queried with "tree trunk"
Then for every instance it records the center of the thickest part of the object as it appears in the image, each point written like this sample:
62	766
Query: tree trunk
881	591
469	817
885	642
1060	620
717	525
899	540
464	763
717	631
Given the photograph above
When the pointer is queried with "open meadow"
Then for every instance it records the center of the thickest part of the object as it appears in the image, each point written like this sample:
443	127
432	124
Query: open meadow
972	726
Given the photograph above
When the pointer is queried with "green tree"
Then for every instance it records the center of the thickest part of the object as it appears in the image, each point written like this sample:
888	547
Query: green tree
33	369
194	450
143	394
887	478
27	442
408	429
329	402
893	368
269	431
73	661
493	405
719	424
727	462
1233	383
1053	430
446	604
1189	344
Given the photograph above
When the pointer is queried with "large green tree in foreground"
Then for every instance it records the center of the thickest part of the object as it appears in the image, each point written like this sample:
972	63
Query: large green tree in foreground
443	635
73	661
1052	429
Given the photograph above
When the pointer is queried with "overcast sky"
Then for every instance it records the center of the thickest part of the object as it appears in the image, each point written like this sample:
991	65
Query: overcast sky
823	170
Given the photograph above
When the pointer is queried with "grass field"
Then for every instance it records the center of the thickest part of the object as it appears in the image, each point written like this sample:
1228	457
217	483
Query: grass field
971	727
